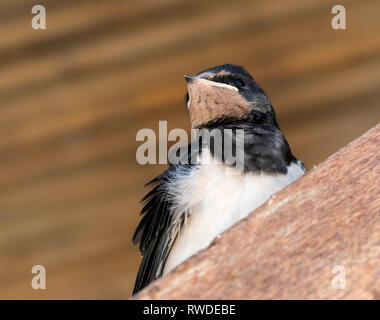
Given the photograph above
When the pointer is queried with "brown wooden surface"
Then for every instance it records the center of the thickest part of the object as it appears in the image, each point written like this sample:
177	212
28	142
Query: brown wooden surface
287	248
72	98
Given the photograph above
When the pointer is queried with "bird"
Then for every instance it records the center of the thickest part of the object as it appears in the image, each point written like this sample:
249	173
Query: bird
194	201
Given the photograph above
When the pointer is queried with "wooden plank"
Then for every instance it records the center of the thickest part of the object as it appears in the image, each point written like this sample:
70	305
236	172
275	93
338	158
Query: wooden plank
287	248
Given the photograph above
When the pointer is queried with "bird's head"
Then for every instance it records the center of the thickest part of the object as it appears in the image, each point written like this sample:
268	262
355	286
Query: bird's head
225	93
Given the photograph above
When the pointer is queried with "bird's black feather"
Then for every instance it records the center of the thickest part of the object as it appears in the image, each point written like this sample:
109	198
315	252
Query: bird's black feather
155	231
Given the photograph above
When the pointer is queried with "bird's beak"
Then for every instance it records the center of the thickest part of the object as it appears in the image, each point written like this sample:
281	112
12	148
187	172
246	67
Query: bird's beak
189	78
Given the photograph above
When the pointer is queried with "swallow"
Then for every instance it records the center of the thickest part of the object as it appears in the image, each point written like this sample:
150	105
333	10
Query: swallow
194	201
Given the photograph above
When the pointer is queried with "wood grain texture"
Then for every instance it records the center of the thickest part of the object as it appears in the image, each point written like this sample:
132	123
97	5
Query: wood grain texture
287	248
73	97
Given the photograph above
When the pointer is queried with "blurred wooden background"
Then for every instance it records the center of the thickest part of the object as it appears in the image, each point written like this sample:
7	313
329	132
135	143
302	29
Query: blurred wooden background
72	98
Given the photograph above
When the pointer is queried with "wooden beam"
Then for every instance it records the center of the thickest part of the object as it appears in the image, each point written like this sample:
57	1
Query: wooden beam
328	221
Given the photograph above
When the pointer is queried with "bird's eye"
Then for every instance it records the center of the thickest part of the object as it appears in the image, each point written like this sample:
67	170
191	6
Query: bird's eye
239	83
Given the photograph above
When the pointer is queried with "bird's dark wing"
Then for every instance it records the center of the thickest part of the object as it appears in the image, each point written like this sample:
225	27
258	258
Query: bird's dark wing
157	231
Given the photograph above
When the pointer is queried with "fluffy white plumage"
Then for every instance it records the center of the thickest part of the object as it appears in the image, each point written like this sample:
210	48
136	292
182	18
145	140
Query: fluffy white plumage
214	199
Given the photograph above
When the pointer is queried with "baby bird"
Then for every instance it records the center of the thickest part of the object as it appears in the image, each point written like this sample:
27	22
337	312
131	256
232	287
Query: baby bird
197	198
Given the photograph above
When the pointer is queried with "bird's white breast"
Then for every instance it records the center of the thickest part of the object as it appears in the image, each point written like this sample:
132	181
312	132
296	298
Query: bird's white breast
215	199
